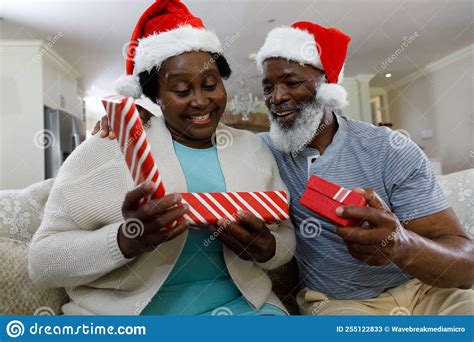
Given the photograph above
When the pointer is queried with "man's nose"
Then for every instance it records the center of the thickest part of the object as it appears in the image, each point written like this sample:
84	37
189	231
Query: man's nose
279	95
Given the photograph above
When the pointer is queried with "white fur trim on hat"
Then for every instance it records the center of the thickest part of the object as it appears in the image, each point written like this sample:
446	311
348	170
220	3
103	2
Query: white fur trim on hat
290	43
128	85
332	95
153	50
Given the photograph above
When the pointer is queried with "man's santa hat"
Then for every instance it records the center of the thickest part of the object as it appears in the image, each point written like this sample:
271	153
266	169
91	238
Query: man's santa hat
308	43
166	29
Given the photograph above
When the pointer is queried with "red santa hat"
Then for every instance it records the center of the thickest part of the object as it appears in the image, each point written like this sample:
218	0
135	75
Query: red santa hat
166	29
321	47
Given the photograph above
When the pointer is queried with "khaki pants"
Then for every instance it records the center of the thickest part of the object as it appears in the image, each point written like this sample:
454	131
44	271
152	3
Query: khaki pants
410	298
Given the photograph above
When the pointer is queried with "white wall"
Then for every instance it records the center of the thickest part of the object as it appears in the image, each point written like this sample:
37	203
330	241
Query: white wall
21	160
358	95
440	98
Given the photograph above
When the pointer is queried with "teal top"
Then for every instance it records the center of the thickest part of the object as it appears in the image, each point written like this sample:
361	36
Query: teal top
200	283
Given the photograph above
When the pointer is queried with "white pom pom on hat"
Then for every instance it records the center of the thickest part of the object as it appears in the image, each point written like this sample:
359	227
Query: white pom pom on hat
333	95
128	85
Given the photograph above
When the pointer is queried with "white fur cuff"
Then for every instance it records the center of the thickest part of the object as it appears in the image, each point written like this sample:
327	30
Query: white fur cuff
153	50
292	44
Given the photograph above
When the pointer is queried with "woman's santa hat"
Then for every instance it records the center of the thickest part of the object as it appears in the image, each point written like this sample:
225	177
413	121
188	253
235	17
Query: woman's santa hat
166	29
308	43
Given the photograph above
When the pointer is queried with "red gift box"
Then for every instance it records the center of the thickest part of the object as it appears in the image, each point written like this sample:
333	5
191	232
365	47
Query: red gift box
324	198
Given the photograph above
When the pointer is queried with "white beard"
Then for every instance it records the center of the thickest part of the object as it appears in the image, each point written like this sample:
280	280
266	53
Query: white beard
295	138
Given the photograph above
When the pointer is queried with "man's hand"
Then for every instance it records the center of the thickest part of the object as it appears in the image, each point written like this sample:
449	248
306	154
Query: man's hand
384	241
103	126
433	248
249	238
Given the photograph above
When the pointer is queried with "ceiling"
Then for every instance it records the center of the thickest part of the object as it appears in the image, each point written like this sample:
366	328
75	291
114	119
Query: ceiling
93	33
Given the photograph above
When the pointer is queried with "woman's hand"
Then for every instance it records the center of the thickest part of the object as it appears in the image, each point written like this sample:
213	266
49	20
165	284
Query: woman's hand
249	238
145	225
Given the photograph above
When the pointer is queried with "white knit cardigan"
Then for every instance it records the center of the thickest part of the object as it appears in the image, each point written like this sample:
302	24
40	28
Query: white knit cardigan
76	245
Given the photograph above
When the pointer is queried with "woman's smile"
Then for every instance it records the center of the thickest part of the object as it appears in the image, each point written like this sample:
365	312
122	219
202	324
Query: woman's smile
202	120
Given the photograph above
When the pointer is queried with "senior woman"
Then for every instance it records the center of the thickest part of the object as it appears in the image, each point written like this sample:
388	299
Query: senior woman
85	242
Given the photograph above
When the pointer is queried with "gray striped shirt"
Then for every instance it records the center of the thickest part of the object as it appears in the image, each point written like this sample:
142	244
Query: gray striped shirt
360	155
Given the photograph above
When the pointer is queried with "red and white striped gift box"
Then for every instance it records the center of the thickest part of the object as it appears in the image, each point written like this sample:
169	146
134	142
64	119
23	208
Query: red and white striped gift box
125	121
205	208
269	206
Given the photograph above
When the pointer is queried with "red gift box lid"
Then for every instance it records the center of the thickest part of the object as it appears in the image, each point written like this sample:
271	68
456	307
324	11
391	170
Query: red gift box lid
323	197
335	192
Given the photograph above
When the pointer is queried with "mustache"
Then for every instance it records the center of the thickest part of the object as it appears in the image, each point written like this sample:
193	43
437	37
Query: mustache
299	106
274	108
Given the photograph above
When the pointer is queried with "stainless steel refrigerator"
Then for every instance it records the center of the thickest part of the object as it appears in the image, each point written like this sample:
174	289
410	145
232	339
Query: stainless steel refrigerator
67	132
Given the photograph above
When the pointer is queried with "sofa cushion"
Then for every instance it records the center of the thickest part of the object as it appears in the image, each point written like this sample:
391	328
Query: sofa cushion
21	211
19	296
458	188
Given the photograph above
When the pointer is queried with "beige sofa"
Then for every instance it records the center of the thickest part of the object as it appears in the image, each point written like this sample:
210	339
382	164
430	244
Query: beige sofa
21	212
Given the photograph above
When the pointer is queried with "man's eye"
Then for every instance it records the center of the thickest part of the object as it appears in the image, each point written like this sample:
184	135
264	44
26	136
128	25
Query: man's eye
267	90
293	84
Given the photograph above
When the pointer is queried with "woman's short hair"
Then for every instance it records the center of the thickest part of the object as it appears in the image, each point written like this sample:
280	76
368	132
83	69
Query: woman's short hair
150	87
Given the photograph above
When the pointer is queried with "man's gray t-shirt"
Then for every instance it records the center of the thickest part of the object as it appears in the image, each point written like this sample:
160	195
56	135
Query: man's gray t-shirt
366	156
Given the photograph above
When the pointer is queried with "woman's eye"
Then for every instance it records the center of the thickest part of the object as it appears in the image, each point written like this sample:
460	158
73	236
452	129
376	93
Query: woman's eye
182	93
210	86
267	90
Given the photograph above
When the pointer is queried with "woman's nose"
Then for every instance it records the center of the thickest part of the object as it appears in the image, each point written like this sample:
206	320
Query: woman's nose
200	100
